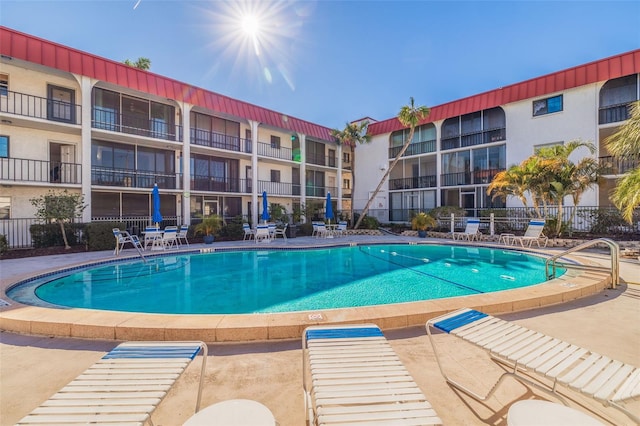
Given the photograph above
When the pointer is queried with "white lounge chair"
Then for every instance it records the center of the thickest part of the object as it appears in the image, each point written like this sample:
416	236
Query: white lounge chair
122	238
182	235
262	233
124	387
471	231
608	381
248	232
532	234
351	375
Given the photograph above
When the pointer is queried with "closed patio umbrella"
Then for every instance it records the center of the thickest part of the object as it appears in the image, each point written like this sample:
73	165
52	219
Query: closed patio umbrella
155	198
328	210
265	206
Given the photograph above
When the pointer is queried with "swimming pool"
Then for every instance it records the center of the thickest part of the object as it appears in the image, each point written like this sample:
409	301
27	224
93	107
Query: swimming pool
267	281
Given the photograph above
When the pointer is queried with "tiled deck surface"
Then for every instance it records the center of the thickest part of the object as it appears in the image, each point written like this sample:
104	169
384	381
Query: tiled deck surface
32	368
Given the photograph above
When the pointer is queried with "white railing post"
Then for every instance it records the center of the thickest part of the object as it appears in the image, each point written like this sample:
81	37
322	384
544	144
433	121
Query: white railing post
453	223
491	225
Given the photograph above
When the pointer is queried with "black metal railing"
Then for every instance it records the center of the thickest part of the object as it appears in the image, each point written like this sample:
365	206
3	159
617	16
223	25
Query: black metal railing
322	160
26	170
613	113
219	184
321	191
106	119
451	179
220	141
485	176
474	138
276	188
105	176
38	107
424	147
612	165
428	181
274	151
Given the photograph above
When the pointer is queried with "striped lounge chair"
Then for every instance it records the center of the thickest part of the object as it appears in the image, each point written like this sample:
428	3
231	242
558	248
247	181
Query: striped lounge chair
123	388
606	380
353	376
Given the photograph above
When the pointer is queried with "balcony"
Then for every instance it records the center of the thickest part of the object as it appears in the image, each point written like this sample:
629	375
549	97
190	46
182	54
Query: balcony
37	107
613	113
220	141
320	191
485	176
25	170
322	160
105	119
474	138
611	165
277	188
219	184
475	177
413	182
414	149
273	151
104	176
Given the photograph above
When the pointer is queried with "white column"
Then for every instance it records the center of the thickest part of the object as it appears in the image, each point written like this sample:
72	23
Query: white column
186	163
303	171
254	171
85	86
339	177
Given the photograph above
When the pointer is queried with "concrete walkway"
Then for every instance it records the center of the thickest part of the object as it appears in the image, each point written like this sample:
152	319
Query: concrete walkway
32	368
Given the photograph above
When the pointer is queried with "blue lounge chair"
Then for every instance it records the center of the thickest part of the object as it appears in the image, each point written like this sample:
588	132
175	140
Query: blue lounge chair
124	387
351	375
608	381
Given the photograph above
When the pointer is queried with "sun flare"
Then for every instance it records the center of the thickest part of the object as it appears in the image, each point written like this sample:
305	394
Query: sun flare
250	25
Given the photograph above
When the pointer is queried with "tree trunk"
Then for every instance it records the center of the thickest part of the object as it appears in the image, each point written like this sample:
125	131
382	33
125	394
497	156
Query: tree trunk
64	235
386	175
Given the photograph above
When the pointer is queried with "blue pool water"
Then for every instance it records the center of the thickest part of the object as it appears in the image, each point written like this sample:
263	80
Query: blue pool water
255	281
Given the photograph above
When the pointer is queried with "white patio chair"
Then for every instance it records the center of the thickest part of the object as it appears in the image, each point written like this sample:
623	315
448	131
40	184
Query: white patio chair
151	234
122	238
169	237
533	234
182	235
262	233
471	231
282	232
248	232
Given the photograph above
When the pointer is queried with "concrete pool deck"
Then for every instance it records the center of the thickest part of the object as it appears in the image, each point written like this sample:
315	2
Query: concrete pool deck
93	324
32	368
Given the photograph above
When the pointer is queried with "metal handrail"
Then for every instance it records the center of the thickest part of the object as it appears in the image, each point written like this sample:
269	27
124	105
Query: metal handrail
615	259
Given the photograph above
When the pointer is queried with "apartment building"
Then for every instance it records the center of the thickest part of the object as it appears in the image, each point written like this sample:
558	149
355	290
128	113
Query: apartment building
463	144
72	120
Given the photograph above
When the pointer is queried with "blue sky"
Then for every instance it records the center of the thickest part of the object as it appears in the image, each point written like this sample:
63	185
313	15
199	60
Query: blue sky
330	62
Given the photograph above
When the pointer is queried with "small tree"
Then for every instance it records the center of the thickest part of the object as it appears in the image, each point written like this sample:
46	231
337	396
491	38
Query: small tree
141	63
59	208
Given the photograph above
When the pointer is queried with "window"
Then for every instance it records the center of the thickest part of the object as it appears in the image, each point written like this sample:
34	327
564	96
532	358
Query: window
4	84
4	146
275	142
332	157
547	106
346	157
538	147
346	183
275	175
5	207
60	104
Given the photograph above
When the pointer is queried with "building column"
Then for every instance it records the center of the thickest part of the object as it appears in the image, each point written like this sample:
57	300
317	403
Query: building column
85	133
254	171
303	172
339	177
186	163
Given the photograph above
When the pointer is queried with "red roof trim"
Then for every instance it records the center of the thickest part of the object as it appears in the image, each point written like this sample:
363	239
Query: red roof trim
33	49
601	70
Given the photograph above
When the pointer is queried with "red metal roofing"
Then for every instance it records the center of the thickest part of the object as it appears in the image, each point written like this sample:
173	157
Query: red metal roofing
604	69
33	49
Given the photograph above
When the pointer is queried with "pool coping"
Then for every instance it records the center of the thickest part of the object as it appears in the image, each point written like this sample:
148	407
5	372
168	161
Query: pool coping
123	326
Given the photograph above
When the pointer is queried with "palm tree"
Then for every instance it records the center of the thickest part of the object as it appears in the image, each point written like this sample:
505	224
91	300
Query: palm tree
626	142
352	135
510	182
409	116
141	63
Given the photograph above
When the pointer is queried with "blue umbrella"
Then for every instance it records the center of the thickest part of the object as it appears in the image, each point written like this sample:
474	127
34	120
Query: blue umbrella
155	198
265	206
328	210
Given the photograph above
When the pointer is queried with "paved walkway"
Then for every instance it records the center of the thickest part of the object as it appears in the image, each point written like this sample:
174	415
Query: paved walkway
32	368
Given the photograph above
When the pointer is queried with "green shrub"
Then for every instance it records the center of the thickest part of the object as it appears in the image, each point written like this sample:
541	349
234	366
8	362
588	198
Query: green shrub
232	230
49	235
445	211
304	229
370	222
100	235
4	245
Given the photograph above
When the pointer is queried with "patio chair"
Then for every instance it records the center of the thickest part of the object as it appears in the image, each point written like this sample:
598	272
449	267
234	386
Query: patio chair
314	225
124	387
182	235
321	230
282	232
351	375
341	229
169	237
262	233
122	238
608	381
471	231
151	233
272	231
532	234
248	232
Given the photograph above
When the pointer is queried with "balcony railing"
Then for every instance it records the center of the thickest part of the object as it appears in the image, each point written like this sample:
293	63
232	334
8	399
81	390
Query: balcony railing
276	188
613	113
611	165
474	138
133	178
475	177
485	176
105	119
273	151
322	160
414	149
321	191
219	184
38	107
413	182
219	140
25	170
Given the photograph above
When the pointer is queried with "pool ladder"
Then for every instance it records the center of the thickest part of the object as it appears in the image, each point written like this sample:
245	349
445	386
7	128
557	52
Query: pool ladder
552	262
